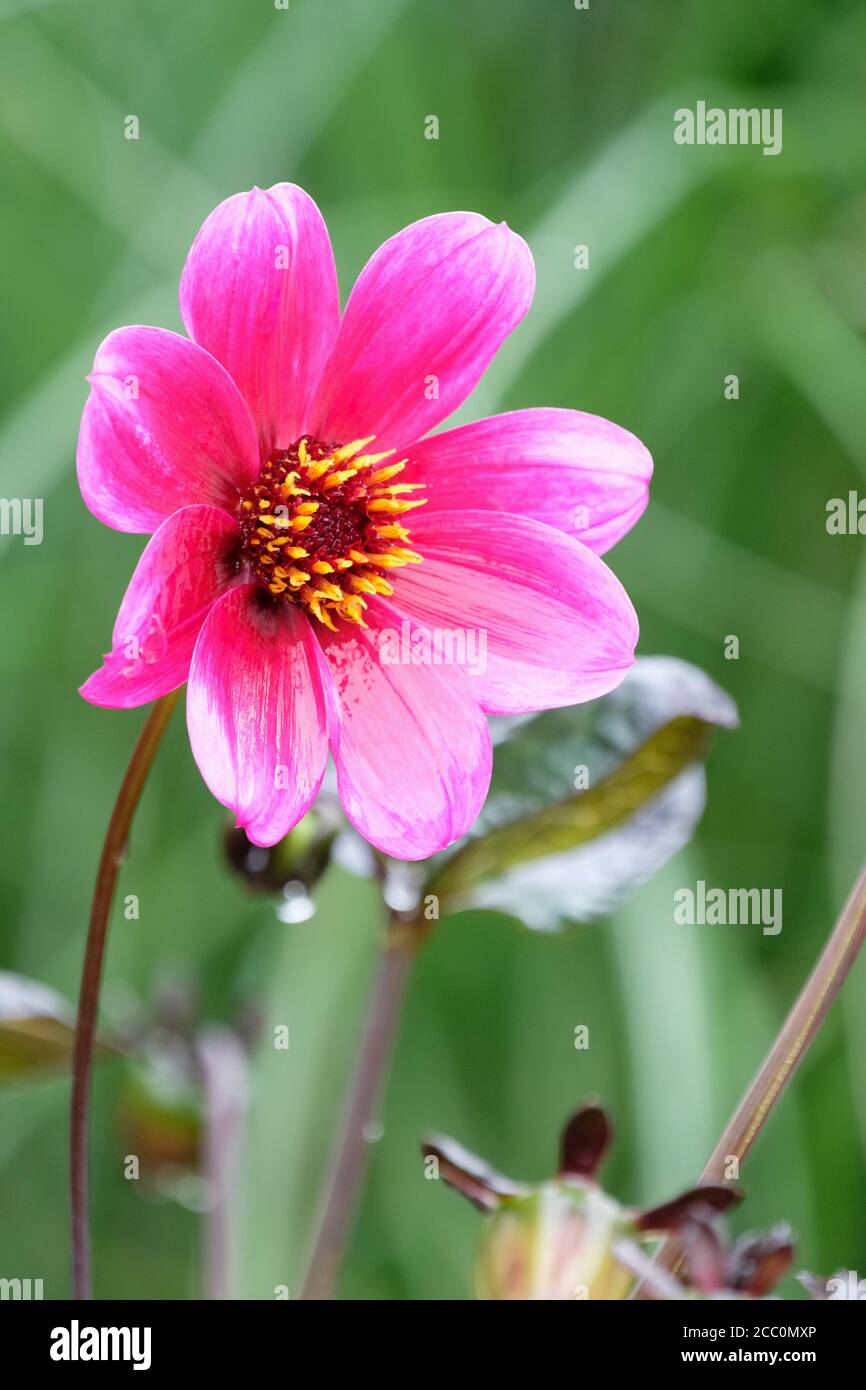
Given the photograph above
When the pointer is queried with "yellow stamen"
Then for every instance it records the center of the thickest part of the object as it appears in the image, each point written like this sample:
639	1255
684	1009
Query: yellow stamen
347	451
389	504
351	612
392	533
315	470
388	561
381	585
289	486
370	460
324	586
383	474
396	488
337	479
314	603
296	487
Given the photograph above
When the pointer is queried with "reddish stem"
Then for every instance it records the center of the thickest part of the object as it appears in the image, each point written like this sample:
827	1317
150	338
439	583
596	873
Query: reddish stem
113	850
787	1052
348	1159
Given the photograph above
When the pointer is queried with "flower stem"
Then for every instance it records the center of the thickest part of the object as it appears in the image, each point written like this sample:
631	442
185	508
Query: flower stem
787	1052
348	1159
113	850
224	1072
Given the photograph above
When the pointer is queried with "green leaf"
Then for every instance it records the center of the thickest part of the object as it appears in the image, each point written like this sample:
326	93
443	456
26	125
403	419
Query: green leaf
37	1027
551	854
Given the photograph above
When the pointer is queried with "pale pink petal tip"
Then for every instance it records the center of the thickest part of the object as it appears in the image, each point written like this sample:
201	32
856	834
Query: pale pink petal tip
555	623
259	291
257	712
183	569
426	316
412	748
164	427
576	472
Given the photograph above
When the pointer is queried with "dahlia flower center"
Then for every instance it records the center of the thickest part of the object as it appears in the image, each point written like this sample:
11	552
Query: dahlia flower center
322	524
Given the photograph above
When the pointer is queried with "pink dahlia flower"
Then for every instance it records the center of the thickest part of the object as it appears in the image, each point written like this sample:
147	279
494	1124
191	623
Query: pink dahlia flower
300	519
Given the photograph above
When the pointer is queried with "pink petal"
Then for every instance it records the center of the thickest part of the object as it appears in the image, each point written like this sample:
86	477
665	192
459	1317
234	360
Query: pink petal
164	427
557	625
184	568
256	712
427	314
259	291
412	748
577	472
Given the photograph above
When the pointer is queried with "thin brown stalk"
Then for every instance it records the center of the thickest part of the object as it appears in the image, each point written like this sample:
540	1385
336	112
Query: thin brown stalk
113	849
787	1052
348	1160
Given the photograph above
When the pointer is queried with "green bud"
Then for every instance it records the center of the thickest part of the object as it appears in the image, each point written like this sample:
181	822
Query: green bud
161	1111
565	1239
555	1244
292	867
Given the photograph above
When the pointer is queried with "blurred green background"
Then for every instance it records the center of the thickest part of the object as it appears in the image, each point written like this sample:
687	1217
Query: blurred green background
703	262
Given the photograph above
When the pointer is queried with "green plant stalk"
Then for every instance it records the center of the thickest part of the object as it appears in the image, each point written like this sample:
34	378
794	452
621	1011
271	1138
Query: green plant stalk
403	937
226	1088
787	1052
113	850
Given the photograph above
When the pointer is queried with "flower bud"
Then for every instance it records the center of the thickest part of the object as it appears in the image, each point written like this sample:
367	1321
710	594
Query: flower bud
565	1239
554	1244
161	1110
293	866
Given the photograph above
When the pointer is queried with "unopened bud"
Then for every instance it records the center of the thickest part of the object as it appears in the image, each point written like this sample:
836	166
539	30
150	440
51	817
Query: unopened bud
566	1239
293	866
554	1244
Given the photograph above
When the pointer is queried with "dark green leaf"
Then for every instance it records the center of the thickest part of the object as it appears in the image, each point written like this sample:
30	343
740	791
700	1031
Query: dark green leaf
550	854
37	1027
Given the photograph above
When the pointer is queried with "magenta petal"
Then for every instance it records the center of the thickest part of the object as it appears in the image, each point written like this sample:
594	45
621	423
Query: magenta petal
577	472
259	291
257	711
555	624
164	427
427	314
412	749
184	568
